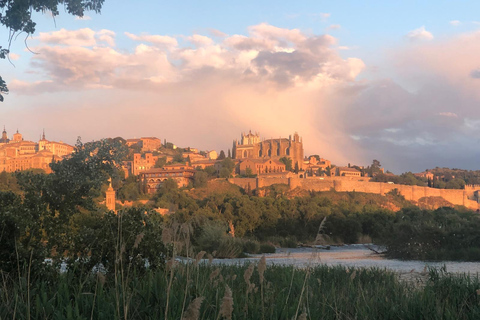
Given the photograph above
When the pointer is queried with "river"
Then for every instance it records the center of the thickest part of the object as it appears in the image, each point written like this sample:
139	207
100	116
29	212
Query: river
353	256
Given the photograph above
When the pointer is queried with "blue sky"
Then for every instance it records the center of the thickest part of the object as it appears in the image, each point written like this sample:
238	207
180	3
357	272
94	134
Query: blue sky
393	80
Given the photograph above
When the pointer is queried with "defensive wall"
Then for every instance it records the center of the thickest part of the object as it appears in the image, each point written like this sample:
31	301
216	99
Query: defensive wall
464	197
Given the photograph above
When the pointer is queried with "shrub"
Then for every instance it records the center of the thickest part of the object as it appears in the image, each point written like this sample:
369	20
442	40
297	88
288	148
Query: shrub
289	242
251	246
267	248
229	248
211	236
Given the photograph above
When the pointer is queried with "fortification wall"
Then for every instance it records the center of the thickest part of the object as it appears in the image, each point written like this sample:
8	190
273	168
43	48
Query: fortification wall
343	184
268	181
244	182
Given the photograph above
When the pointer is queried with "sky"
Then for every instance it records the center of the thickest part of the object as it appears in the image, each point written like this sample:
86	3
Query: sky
396	81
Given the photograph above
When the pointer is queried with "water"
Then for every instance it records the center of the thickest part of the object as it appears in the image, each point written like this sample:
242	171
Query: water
353	256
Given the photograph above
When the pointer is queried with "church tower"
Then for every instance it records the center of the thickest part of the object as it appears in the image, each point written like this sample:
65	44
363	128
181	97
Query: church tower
4	136
42	143
17	137
110	197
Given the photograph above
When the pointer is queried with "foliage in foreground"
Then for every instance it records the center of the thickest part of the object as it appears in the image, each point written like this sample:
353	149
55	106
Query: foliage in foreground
205	291
443	234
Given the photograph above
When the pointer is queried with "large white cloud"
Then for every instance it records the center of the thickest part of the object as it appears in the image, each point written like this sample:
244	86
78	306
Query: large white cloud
285	57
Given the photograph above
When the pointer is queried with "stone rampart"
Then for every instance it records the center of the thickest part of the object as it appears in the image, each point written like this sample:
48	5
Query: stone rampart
343	184
244	182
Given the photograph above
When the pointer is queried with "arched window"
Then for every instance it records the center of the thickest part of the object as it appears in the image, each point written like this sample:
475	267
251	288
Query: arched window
245	153
259	153
269	152
287	151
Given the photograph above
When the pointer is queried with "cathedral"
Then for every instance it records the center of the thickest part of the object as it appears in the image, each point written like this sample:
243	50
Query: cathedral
251	146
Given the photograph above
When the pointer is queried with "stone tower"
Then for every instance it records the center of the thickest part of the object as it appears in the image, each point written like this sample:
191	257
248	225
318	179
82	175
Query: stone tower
4	138
110	197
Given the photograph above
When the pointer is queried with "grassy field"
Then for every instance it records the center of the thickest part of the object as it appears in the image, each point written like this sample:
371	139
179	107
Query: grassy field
255	291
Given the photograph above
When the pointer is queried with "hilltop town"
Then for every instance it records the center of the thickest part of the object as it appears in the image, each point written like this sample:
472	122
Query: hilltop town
253	163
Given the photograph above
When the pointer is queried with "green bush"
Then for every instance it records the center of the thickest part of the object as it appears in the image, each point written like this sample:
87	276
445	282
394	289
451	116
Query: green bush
229	248
289	242
267	248
211	236
251	246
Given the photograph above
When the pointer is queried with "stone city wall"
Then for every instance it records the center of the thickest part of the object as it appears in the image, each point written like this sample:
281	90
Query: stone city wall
348	184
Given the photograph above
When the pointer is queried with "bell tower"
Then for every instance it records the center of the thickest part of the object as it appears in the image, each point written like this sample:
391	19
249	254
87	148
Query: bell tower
110	197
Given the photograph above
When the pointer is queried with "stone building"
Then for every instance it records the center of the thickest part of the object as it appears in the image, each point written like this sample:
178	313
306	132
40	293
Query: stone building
346	172
60	149
152	179
17	154
251	146
148	144
261	166
140	163
316	166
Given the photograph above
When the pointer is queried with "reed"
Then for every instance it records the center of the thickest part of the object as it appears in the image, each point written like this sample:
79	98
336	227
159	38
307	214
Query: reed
319	292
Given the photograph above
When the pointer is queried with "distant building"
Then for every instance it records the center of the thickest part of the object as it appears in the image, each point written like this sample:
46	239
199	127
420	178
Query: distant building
315	167
140	163
347	172
150	144
261	166
252	147
147	144
153	179
426	174
18	154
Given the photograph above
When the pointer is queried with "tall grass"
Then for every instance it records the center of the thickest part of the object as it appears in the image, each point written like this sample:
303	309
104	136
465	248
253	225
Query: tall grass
206	291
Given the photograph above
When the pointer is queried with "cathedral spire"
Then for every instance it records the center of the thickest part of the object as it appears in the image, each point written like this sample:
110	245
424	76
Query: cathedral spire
43	135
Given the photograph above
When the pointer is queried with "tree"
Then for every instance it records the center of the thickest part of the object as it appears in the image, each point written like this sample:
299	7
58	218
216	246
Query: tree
16	16
160	162
221	156
3	85
227	168
200	179
229	154
288	163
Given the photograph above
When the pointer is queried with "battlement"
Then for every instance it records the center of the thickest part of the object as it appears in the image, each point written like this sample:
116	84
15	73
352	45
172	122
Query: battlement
472	187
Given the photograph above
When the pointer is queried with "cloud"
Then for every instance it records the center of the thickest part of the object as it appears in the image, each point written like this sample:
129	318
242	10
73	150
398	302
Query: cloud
85	17
455	23
217	33
419	34
475	73
200	40
13	56
448	114
334	27
282	57
83	37
158	40
324	16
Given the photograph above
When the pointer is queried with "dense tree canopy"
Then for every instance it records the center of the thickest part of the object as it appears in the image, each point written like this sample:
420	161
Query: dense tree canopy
16	16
